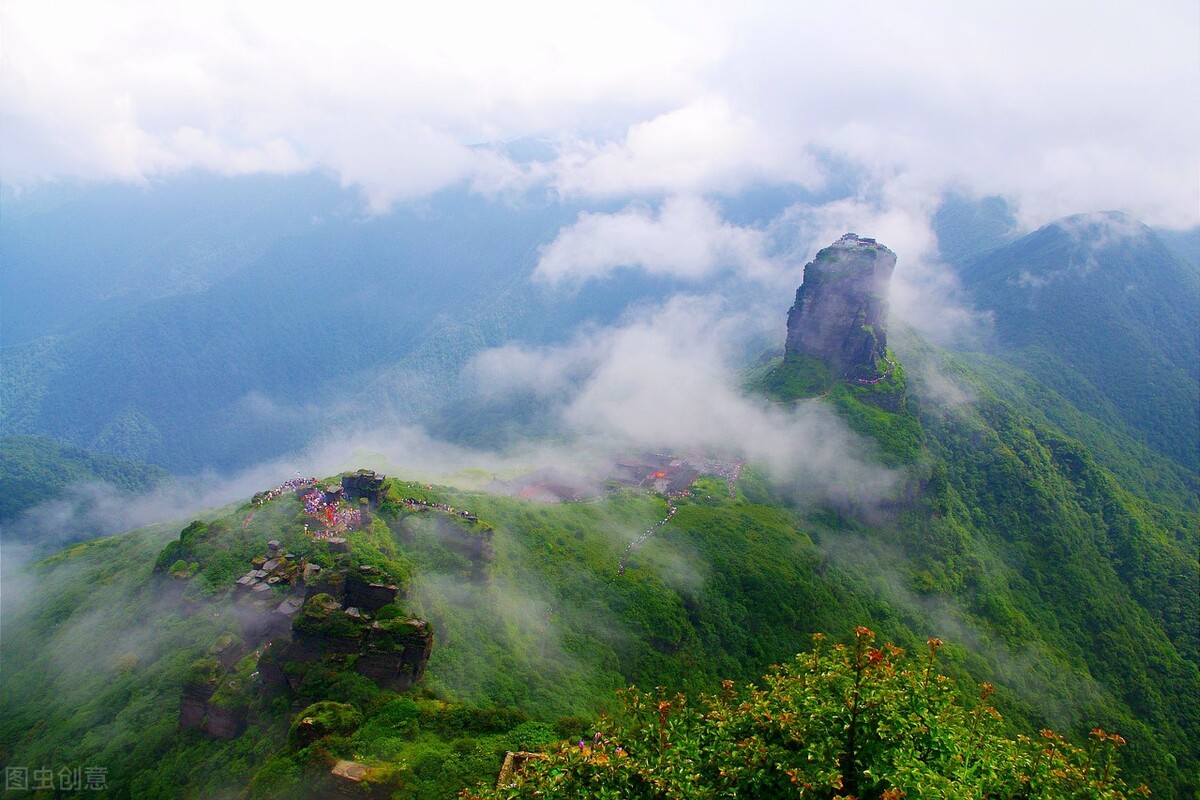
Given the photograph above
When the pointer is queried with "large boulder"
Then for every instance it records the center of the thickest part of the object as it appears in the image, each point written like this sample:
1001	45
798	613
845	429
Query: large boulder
397	653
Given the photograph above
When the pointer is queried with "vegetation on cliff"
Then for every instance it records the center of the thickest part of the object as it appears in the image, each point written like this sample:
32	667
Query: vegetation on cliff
1060	562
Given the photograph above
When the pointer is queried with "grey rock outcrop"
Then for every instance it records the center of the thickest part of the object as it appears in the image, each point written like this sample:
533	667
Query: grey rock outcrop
197	709
393	651
840	314
193	704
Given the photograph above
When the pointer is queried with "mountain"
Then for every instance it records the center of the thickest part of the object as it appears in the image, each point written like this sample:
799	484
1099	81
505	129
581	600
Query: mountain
308	318
968	227
37	470
1185	244
1099	309
1068	588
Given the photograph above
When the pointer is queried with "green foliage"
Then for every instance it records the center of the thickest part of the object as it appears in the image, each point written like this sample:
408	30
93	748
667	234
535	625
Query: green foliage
897	431
321	719
322	615
37	469
838	722
1100	311
201	671
1010	531
878	411
792	377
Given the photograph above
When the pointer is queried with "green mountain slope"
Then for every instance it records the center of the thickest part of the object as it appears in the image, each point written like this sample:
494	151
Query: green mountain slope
37	469
1073	595
1098	309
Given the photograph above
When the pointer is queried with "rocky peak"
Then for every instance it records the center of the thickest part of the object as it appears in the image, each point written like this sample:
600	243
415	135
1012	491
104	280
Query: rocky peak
840	314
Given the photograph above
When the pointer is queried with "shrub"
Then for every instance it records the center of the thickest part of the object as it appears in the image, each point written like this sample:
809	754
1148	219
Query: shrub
839	722
323	719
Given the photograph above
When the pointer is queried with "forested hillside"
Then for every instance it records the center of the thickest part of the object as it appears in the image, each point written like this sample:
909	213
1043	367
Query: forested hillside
1071	593
1101	311
37	470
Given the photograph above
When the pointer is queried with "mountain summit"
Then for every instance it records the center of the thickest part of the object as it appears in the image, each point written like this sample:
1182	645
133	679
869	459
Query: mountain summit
840	314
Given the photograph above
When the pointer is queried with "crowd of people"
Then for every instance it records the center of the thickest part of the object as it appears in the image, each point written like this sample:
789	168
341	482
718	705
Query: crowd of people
322	534
638	542
334	515
415	504
284	488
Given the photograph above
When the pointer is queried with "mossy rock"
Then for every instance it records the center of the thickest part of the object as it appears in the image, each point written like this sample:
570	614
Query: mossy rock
794	377
325	718
322	616
201	671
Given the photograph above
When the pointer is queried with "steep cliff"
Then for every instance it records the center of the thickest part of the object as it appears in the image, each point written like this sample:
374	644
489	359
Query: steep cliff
840	314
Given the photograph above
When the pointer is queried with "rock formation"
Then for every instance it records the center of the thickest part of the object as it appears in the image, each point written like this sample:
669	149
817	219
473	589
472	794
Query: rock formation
840	315
207	705
363	485
392	650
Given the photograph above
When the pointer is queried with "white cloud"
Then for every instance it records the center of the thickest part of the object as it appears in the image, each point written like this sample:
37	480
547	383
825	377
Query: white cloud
665	378
687	239
923	292
1065	107
704	146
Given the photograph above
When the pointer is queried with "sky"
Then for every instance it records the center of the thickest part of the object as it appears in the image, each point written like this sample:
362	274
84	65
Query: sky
1061	107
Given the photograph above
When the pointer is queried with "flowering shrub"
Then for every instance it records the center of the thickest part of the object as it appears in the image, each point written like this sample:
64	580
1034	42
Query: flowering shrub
855	721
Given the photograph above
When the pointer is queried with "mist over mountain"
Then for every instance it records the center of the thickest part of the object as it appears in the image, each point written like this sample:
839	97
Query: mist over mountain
308	313
38	470
101	250
631	399
935	497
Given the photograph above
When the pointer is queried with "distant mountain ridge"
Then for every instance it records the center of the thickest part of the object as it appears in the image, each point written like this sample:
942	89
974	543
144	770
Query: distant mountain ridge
307	325
37	469
1099	308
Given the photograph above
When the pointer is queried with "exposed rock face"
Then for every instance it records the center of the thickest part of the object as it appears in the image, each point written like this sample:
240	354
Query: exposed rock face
840	315
197	710
392	652
363	485
193	704
224	723
397	653
352	779
366	595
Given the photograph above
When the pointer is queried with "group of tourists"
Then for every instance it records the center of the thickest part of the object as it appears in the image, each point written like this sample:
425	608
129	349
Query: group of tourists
321	534
415	504
334	515
638	542
284	488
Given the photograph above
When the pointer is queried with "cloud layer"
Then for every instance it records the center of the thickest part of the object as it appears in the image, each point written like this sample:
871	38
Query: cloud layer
686	239
665	379
1067	107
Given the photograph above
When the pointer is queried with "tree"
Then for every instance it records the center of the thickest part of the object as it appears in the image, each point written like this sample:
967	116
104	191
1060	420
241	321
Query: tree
840	721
